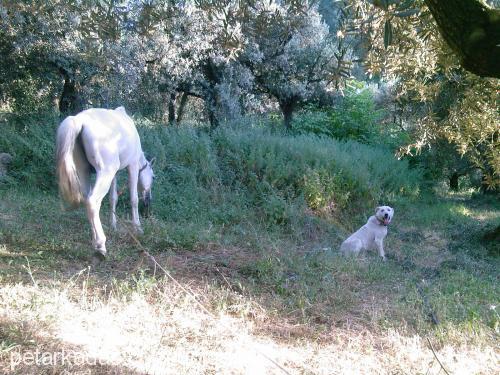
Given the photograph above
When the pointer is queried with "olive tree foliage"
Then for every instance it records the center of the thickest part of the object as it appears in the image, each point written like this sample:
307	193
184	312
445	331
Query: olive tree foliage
34	44
66	48
472	30
260	49
169	41
104	52
154	55
232	55
293	54
446	102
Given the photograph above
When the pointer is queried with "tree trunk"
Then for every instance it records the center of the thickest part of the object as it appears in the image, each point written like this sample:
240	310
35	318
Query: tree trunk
182	107
472	31
454	181
213	75
171	109
70	102
214	122
210	99
287	107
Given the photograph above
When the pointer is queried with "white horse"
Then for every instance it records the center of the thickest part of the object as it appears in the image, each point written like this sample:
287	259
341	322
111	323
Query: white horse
104	141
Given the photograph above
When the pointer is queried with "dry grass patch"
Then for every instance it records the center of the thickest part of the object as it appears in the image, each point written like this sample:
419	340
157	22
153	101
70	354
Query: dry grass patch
150	325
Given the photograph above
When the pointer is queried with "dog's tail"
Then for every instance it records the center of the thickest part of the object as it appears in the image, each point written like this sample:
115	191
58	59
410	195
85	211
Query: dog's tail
72	171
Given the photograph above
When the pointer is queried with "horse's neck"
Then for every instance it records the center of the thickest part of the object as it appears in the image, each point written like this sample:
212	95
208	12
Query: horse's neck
142	159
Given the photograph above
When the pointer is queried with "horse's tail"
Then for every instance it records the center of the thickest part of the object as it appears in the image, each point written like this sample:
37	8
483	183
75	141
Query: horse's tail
72	174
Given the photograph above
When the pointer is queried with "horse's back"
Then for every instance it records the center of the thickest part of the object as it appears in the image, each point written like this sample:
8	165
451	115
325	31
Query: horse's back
109	137
103	121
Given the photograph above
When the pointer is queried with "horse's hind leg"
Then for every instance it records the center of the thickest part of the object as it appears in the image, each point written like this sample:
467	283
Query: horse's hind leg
93	203
113	198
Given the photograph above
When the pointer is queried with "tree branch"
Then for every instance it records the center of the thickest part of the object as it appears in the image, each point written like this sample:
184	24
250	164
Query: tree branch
472	30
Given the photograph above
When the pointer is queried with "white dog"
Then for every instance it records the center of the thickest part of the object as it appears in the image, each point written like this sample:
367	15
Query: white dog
371	235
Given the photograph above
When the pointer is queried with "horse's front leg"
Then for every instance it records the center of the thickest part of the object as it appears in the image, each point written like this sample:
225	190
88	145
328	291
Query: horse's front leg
113	198
93	204
133	177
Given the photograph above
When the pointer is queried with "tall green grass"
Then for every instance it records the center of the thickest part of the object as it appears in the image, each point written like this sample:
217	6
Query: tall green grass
31	141
232	177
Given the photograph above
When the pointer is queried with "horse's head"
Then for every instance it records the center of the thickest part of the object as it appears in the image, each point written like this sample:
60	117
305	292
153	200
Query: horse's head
146	177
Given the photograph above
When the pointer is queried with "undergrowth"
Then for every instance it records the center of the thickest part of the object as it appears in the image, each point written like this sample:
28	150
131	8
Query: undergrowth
253	220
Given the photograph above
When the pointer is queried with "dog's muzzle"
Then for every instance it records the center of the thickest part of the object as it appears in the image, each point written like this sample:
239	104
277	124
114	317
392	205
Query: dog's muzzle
386	220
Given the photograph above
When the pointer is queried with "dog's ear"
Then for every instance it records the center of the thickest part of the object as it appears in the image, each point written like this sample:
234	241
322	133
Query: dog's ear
376	209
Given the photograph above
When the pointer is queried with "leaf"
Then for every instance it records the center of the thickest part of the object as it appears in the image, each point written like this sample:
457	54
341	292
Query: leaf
387	33
405	5
407	13
384	4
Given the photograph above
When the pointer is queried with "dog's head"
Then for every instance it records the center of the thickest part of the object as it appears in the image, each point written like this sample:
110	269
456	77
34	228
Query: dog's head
384	214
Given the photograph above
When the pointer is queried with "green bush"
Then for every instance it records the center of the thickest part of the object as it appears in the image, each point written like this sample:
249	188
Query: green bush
323	188
323	171
31	142
354	117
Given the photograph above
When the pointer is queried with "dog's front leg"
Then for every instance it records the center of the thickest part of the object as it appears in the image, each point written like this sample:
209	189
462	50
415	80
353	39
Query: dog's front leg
380	246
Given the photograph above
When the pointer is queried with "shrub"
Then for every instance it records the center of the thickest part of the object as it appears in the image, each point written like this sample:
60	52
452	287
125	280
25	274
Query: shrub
31	142
344	172
354	117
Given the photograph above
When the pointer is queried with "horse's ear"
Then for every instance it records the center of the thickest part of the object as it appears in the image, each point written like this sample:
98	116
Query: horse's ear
152	161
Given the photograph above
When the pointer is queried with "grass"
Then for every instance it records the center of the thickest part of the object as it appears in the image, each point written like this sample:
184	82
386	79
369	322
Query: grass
300	304
262	259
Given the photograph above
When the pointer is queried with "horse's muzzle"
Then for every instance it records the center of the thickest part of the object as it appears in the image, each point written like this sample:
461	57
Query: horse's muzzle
146	206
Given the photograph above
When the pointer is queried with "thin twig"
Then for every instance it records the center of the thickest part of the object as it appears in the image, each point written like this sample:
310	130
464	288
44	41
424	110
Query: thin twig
29	272
435	356
226	280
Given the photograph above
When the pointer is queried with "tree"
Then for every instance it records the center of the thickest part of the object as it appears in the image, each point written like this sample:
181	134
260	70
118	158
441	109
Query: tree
408	49
189	48
472	31
283	50
293	55
68	39
469	27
